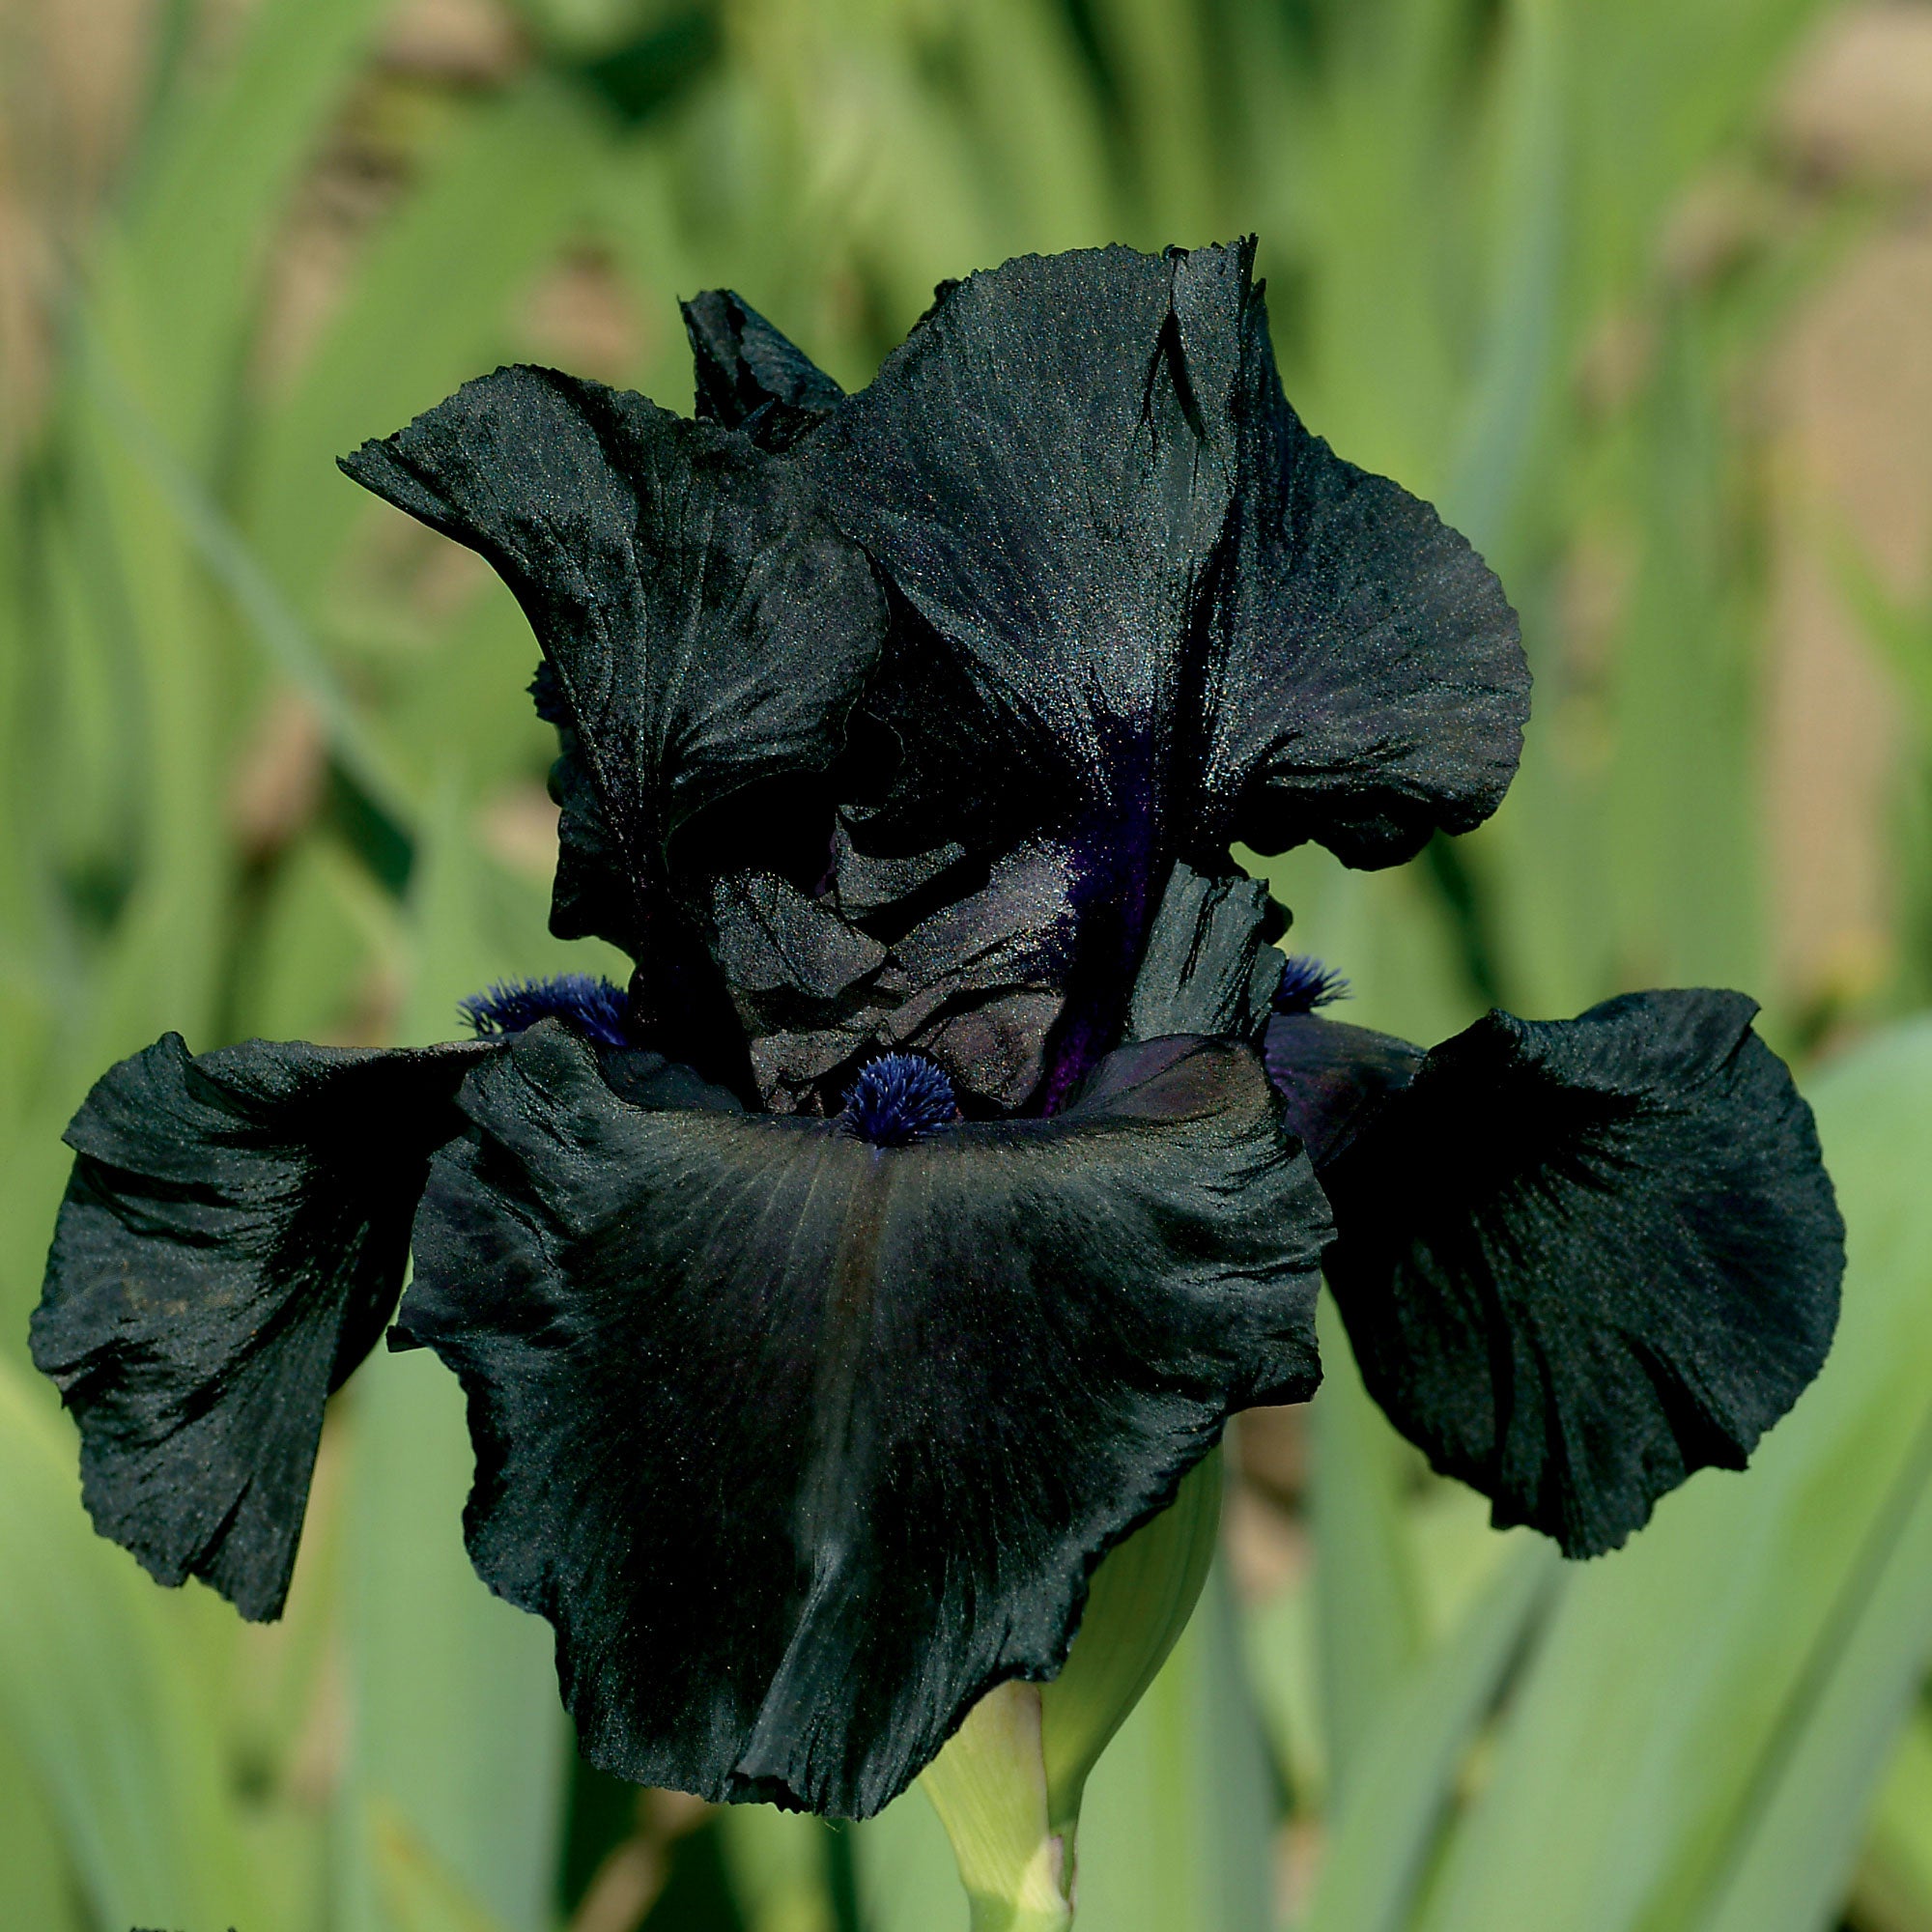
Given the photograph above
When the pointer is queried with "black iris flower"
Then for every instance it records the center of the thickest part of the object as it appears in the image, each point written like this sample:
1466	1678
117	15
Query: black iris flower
963	1150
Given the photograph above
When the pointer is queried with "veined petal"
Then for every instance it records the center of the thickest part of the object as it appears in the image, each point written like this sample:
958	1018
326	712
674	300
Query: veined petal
1365	683
972	980
1035	471
802	1443
1132	574
232	1242
1578	1260
708	630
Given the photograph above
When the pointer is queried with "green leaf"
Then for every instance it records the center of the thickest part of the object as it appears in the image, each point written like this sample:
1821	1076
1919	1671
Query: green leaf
1367	1615
1897	1864
36	1882
777	1861
905	1874
270	621
1175	1833
419	1892
1799	1838
225	152
428	310
98	1704
1404	1779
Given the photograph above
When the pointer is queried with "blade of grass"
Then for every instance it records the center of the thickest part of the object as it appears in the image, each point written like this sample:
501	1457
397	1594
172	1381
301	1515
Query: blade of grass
224	152
1897	1864
269	620
419	1892
904	1872
1174	1832
1800	1835
38	1887
1404	1781
428	309
1368	1620
97	1703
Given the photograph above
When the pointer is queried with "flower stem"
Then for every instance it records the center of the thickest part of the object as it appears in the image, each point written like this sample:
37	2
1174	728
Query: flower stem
1000	1915
989	1786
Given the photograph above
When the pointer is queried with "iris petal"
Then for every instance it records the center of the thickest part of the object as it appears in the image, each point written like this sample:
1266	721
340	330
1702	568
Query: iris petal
1334	1078
1033	470
1365	685
974	980
231	1244
802	1444
708	630
1208	966
1578	1260
1142	583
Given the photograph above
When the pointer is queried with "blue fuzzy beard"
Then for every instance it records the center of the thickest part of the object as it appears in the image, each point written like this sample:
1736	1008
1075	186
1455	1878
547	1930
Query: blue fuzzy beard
898	1098
1306	984
596	1007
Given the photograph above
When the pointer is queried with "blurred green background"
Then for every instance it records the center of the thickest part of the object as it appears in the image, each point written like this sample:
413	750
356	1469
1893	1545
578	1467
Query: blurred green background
1639	292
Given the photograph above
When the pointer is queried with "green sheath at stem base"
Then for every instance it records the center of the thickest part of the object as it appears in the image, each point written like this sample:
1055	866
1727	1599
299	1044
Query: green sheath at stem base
1008	1783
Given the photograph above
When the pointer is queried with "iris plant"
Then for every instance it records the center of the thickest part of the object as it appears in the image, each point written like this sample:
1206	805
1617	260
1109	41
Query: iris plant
961	1154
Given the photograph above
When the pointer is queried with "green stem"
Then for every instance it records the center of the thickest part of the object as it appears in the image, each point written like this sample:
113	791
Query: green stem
1000	1915
989	1786
1008	1782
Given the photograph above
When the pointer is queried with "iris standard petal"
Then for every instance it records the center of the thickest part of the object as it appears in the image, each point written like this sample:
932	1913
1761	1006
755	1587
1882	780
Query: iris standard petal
707	629
1209	966
1130	570
1577	1260
974	980
231	1244
804	1444
1036	474
1364	684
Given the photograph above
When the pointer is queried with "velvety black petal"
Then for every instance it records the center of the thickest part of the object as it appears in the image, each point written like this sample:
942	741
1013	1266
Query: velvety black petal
986	974
1333	1079
974	982
232	1242
1366	684
790	959
1135	583
1038	475
868	886
707	628
750	378
594	894
803	1443
1578	1260
1044	472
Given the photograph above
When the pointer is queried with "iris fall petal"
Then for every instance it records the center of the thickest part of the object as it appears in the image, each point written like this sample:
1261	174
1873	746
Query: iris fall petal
803	1443
232	1242
1578	1260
